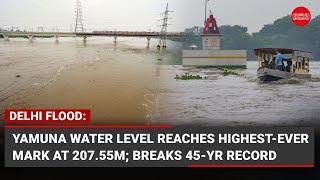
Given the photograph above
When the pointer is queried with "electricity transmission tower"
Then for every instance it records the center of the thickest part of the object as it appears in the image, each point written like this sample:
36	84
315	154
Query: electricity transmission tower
164	29
79	17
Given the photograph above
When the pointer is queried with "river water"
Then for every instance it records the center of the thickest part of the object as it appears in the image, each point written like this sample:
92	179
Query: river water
126	83
239	100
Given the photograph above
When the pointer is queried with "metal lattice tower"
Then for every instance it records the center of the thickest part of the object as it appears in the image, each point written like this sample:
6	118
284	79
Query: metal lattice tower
164	29
79	17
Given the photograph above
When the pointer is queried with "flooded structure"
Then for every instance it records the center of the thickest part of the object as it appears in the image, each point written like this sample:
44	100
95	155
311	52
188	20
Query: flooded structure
211	54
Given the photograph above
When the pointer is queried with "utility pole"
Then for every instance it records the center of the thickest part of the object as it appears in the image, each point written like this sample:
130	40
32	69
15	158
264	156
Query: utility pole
164	29
79	17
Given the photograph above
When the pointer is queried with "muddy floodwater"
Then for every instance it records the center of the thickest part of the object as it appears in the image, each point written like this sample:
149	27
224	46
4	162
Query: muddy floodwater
127	84
239	100
116	82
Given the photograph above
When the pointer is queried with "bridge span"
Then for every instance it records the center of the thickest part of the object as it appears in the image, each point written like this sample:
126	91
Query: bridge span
32	35
94	33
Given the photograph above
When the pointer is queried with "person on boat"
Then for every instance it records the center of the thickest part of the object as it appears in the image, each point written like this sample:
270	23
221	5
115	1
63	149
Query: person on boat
272	64
279	61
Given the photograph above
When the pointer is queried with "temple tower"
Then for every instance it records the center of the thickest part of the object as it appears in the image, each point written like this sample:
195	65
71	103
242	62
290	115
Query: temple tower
211	34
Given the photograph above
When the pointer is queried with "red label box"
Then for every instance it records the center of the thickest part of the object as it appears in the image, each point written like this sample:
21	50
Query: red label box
46	116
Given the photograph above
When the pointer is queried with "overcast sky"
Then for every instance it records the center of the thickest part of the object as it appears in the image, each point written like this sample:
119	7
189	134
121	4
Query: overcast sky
144	14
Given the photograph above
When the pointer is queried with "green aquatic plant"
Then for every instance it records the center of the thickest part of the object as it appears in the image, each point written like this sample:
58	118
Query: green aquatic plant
188	76
227	72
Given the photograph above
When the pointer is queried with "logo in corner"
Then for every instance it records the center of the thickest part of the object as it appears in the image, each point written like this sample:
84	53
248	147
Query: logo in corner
301	16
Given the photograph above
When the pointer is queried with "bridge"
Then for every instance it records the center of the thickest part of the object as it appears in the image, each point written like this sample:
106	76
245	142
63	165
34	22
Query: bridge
80	32
17	34
32	35
132	34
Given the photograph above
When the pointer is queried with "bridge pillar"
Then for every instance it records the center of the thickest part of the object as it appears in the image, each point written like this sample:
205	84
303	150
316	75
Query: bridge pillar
159	47
30	37
85	39
148	38
6	37
57	38
115	39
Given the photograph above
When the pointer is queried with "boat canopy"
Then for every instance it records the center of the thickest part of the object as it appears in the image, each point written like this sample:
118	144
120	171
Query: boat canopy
274	50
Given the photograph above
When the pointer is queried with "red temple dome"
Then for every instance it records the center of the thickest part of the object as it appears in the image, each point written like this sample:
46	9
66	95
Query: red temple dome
211	26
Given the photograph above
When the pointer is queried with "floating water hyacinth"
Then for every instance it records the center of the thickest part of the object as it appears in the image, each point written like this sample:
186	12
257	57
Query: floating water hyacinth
227	72
188	76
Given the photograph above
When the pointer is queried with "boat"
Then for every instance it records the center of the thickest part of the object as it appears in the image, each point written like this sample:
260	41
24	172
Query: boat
296	64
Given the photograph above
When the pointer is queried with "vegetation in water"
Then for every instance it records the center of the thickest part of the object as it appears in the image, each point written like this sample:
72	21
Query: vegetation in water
227	72
188	76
